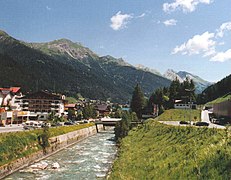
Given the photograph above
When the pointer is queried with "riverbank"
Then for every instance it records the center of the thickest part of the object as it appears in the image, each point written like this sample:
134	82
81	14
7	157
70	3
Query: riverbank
26	151
158	151
90	158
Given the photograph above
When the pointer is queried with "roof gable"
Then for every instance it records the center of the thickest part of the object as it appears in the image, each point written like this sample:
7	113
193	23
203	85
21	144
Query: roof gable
43	95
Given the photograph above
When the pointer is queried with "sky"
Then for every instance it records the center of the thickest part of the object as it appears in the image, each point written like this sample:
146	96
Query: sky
183	35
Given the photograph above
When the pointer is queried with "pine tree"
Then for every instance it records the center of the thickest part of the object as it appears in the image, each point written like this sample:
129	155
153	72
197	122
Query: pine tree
138	101
174	92
89	112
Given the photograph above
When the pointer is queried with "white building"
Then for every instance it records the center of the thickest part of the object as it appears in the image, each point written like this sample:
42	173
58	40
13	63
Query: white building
10	98
43	102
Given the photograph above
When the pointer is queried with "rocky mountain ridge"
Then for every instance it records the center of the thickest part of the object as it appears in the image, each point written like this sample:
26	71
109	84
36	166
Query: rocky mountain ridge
70	68
200	84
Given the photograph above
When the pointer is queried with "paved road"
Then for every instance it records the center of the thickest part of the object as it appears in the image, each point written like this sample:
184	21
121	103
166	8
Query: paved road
204	118
13	128
177	123
173	123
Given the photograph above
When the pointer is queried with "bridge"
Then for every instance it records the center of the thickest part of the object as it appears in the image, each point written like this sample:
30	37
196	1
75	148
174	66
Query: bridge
107	122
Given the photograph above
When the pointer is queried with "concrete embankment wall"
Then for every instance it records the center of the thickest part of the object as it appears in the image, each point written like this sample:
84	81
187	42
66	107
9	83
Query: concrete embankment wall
56	144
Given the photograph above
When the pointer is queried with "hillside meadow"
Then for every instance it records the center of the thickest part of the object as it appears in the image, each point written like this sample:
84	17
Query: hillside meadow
180	115
158	151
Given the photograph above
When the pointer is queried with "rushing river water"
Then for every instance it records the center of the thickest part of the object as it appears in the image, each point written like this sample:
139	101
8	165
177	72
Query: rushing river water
90	159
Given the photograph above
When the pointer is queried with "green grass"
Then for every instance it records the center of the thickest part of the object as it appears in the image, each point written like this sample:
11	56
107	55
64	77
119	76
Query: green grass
220	99
15	145
71	100
180	115
66	129
158	151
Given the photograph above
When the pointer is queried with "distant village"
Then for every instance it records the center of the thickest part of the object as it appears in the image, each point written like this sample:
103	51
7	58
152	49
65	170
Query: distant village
16	107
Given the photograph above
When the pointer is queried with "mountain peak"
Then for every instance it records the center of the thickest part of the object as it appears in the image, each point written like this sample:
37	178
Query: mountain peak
144	68
172	75
65	47
119	61
66	41
200	83
3	33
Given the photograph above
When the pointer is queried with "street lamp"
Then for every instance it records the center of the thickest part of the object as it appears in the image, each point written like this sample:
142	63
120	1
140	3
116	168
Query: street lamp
190	101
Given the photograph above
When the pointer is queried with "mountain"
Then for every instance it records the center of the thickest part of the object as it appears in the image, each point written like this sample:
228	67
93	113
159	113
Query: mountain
142	67
117	71
172	75
217	90
67	67
200	84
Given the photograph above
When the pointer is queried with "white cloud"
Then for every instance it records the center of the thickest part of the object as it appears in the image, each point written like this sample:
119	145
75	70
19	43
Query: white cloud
119	21
221	43
222	56
101	47
224	27
157	22
185	5
48	8
170	22
142	15
203	43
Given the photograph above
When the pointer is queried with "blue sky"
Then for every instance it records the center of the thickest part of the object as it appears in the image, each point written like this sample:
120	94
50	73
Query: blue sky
190	35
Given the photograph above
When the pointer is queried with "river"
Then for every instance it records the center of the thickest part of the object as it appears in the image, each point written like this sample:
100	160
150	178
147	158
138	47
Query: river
88	159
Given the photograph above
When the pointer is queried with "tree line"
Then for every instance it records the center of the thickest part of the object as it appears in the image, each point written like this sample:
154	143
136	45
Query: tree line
216	90
163	98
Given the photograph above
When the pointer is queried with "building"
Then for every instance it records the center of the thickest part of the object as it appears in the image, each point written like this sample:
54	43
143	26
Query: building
43	102
181	106
184	106
103	110
223	109
10	98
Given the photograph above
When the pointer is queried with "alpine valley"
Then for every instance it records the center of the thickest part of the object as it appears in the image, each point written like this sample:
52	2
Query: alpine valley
67	67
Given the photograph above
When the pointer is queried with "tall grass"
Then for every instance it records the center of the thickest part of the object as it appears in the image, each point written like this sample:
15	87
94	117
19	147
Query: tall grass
158	151
180	115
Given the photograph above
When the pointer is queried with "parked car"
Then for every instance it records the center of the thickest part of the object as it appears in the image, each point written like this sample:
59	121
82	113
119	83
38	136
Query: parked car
201	124
183	122
32	125
68	123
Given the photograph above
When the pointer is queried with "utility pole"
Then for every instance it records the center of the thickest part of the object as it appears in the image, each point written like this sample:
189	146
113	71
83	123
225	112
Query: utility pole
190	102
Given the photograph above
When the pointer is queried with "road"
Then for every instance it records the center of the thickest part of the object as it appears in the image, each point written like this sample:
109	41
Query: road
204	118
11	128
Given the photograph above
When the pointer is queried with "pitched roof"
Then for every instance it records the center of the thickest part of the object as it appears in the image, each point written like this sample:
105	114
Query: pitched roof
102	107
42	95
15	89
11	89
70	105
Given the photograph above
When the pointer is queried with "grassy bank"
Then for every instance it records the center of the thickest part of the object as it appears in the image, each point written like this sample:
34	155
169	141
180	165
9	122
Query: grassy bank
220	99
15	145
158	151
180	115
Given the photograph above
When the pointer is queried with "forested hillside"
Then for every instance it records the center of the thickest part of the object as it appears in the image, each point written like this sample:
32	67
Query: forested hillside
66	67
217	90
